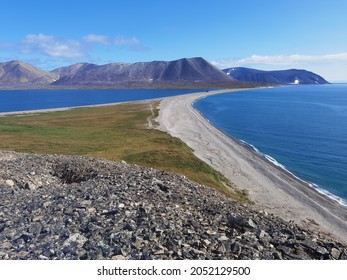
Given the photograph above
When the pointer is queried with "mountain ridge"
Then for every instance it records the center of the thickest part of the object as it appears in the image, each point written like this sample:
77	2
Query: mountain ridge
18	73
72	69
193	72
283	77
185	70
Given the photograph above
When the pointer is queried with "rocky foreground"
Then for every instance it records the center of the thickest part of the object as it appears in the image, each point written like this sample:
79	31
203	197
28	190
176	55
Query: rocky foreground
61	207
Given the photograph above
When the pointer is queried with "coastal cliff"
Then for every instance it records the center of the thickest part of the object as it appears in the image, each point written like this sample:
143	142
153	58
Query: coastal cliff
73	207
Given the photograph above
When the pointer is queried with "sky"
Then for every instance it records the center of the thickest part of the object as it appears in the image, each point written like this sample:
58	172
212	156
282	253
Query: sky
261	34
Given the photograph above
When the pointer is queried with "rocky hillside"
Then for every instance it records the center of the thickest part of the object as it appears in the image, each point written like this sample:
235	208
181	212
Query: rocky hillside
60	207
282	77
73	69
193	71
18	73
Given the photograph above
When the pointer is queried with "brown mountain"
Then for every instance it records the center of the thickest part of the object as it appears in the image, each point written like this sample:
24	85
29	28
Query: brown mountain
73	69
20	74
192	72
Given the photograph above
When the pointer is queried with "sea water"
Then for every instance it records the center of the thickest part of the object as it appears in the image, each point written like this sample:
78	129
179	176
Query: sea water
302	129
23	100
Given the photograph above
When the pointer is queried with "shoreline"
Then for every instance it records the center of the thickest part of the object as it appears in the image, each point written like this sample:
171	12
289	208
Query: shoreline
278	165
271	187
60	109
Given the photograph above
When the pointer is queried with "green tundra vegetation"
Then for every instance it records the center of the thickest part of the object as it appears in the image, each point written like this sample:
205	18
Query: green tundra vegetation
115	132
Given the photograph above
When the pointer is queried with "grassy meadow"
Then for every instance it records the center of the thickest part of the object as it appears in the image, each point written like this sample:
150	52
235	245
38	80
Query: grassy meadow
115	132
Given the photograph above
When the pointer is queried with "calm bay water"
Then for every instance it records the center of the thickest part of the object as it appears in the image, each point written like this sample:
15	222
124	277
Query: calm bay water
301	128
23	100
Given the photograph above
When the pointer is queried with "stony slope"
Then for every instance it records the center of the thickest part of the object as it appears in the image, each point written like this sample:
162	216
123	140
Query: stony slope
60	207
283	77
18	73
73	69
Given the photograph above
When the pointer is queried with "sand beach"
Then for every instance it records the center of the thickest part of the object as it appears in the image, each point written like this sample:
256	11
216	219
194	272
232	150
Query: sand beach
270	187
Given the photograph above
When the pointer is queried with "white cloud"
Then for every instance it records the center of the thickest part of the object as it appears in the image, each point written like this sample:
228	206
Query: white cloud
52	46
57	47
118	41
121	41
93	38
39	38
333	67
281	60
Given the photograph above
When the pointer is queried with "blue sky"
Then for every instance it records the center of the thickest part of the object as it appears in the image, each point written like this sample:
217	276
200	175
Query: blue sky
263	34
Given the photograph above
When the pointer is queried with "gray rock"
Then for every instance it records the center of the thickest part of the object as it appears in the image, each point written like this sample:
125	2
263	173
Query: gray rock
118	258
87	208
163	187
2	226
251	223
9	183
236	248
239	221
277	255
195	224
77	239
223	238
284	249
321	250
335	253
23	254
29	186
35	228
128	227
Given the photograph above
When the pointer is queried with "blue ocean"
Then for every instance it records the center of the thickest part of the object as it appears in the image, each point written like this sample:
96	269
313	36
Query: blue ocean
23	100
303	129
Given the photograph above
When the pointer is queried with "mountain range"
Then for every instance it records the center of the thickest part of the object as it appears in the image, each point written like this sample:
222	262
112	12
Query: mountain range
182	73
17	73
189	71
283	77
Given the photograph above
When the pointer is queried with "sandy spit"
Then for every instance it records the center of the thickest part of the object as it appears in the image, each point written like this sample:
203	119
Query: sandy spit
271	188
